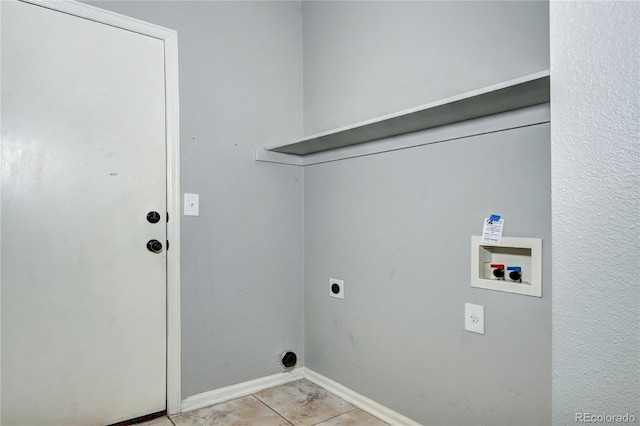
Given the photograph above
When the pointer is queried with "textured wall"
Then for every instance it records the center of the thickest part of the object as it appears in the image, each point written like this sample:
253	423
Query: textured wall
363	59
240	89
595	110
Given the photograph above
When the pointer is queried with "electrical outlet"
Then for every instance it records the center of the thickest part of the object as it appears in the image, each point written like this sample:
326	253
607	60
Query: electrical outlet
336	288
474	318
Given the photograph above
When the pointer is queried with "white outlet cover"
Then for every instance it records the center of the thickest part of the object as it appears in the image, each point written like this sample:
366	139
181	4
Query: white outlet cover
340	283
474	318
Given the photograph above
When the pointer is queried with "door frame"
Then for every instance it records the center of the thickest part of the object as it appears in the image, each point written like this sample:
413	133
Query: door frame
170	41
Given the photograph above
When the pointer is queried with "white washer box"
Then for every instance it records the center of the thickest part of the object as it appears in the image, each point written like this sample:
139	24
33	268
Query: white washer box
523	252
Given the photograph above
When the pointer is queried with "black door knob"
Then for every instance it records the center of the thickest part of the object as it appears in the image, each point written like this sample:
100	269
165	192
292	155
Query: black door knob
153	217
154	246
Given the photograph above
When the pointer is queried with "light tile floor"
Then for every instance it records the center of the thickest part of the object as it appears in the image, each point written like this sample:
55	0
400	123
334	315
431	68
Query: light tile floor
299	403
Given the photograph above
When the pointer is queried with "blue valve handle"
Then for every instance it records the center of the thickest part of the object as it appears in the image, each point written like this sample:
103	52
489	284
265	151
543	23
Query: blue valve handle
514	268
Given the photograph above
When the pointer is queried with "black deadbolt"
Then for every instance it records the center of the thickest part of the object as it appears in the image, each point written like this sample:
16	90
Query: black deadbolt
153	217
335	288
154	246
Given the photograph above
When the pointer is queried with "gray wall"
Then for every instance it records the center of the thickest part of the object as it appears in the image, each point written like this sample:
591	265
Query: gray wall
240	89
595	107
397	226
366	59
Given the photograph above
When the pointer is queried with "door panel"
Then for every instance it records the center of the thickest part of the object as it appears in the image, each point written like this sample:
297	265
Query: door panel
83	162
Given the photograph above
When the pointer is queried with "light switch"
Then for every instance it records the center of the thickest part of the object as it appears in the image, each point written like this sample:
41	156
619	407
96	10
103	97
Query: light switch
474	318
192	204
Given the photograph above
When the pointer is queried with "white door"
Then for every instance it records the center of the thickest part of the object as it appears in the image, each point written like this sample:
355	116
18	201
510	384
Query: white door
83	163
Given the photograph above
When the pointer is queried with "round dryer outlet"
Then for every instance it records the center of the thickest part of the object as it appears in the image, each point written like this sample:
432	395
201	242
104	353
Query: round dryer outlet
288	360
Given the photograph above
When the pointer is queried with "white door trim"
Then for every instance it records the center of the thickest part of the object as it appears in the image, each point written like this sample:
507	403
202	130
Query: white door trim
170	39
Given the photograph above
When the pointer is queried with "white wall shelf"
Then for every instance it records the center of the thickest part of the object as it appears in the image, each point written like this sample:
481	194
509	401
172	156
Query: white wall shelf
507	96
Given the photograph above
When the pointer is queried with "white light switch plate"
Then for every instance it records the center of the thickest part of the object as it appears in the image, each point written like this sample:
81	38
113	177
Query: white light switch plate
474	318
192	204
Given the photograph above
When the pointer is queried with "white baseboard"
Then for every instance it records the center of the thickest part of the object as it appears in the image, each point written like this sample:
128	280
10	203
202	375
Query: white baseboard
370	406
241	389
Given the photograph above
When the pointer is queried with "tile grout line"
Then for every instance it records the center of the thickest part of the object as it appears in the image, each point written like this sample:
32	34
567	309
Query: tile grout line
266	405
342	414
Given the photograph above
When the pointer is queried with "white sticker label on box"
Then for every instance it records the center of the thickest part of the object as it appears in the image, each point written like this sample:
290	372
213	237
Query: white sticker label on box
492	230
